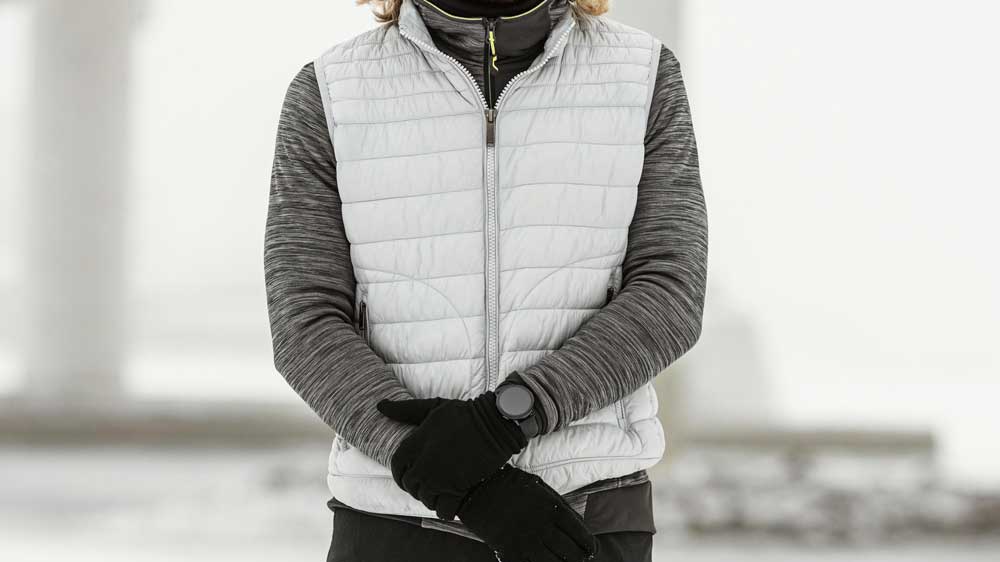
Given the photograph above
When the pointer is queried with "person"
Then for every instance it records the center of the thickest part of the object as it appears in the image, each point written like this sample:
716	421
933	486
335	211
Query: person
486	235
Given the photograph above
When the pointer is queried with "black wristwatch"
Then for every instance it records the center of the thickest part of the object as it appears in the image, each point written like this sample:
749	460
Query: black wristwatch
516	402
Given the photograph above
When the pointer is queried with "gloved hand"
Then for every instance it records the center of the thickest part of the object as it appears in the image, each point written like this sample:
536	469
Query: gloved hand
522	519
458	444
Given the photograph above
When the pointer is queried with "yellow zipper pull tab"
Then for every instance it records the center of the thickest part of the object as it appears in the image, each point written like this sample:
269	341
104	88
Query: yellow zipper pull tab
493	49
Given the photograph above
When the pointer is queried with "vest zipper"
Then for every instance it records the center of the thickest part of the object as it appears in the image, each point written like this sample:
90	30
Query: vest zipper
491	228
490	64
493	300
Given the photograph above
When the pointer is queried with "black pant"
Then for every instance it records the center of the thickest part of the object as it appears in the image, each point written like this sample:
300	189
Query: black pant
358	537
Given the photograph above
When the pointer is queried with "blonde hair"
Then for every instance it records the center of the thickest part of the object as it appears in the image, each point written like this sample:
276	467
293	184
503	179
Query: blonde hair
388	10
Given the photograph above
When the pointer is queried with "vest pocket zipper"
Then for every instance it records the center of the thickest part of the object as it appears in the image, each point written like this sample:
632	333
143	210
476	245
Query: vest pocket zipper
614	285
361	314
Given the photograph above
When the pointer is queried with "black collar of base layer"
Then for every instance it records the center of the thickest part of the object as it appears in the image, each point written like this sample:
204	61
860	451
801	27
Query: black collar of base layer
485	8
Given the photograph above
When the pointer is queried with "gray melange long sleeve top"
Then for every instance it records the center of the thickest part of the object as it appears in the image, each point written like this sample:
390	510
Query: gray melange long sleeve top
653	320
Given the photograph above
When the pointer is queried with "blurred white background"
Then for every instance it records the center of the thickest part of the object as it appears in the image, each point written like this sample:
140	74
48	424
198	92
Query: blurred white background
848	157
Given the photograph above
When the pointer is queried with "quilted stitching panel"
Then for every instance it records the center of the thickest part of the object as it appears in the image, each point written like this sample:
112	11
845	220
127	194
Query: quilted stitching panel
411	177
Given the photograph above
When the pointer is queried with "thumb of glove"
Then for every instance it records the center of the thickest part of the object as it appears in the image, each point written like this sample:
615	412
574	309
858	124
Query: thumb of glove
412	411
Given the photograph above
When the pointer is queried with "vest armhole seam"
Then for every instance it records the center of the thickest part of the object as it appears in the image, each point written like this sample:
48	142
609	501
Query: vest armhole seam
324	93
654	70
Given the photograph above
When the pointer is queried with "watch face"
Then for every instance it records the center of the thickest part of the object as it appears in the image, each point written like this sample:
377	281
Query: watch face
515	401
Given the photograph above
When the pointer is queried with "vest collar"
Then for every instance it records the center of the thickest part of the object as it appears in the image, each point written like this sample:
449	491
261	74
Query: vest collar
413	28
521	30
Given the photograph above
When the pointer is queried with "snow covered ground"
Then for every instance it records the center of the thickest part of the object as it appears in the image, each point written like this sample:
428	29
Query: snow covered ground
113	504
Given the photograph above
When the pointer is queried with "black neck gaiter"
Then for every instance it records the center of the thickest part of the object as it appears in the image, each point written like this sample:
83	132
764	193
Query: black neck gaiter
485	8
517	39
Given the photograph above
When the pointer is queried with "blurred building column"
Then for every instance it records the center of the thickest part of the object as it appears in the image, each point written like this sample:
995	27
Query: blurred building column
79	151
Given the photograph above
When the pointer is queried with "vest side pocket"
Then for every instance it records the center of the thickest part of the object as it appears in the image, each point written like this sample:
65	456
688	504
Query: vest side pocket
361	313
614	286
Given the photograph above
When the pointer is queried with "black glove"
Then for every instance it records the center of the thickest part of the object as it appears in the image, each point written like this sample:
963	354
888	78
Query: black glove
457	445
524	520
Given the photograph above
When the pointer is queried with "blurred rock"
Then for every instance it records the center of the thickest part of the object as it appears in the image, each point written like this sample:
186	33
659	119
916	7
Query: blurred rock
815	495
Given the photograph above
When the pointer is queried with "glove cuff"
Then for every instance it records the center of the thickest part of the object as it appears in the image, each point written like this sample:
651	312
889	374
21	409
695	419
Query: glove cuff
505	433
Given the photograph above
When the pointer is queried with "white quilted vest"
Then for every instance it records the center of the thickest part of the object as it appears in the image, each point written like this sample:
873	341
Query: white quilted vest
479	247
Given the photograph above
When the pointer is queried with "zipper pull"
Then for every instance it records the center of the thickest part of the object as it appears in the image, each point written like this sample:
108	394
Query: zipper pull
491	129
493	45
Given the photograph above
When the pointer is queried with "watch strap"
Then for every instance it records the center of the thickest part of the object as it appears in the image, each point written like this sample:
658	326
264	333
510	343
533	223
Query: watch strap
529	424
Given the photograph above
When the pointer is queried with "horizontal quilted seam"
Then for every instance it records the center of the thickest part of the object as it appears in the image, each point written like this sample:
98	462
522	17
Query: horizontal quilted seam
367	281
477	148
390	143
568	184
593	65
566	267
380	59
558	146
613	83
364	280
606	53
555	310
424	320
586	94
572	70
402	65
418	237
576	45
590	460
423	363
576	143
557	226
424	118
384	76
410	94
413	196
566	309
389	129
575	108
